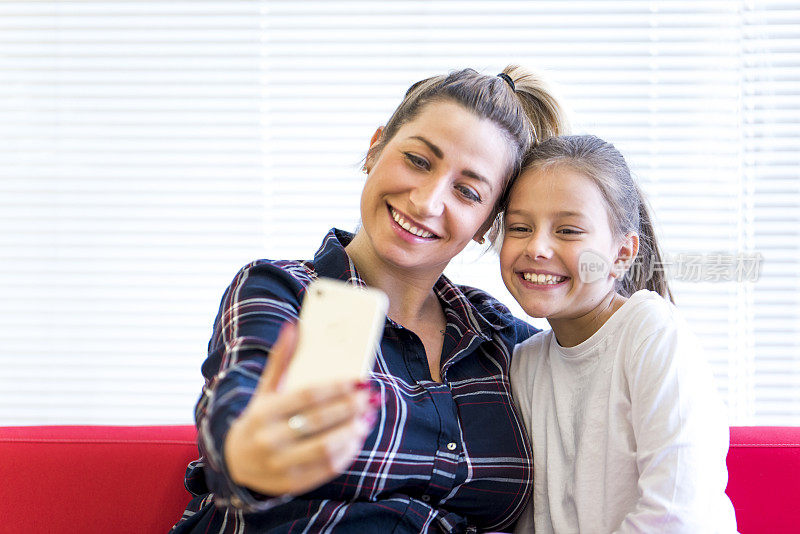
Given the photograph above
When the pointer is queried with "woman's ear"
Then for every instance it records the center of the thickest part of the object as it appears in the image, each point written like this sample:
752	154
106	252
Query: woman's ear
626	254
376	137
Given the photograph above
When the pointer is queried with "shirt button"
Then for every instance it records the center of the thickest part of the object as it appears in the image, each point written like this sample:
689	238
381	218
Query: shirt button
451	446
426	498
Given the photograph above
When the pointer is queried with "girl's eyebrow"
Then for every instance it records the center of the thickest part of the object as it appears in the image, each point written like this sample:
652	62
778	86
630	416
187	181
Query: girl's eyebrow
563	213
569	214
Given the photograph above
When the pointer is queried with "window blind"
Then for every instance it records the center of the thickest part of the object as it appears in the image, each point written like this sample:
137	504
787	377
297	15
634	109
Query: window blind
132	189
152	148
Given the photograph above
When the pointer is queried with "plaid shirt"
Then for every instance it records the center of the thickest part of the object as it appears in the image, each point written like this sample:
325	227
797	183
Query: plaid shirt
451	456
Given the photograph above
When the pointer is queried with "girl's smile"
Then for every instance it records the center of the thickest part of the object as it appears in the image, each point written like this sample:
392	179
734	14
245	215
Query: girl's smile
542	279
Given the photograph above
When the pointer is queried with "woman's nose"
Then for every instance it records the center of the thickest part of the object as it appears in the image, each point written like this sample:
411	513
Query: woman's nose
429	198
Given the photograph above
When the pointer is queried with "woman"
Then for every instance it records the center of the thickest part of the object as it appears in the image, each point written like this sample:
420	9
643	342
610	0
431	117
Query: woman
445	451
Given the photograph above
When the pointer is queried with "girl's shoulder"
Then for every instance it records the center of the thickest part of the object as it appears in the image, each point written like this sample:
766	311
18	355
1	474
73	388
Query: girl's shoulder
532	349
538	342
658	335
645	314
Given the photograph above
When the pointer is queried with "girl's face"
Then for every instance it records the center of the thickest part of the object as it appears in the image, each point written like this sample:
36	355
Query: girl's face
433	187
559	257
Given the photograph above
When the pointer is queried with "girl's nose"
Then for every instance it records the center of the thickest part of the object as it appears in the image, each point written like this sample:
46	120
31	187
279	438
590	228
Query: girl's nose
539	246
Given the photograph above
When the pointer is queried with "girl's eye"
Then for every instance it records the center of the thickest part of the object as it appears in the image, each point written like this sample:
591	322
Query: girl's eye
417	161
469	193
570	231
517	229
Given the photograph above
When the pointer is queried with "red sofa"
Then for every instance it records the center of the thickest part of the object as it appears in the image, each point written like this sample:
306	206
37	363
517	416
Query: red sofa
103	479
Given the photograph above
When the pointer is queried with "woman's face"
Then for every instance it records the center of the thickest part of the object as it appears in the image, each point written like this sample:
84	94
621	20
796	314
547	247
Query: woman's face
433	187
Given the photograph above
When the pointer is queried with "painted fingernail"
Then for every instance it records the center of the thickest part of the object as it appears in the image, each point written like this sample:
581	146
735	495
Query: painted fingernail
375	399
370	418
362	385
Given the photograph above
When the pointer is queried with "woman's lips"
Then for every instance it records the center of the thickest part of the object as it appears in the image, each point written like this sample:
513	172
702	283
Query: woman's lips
403	224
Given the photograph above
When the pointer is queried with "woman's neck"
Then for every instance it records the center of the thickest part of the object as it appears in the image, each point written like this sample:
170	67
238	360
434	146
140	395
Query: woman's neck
410	291
573	331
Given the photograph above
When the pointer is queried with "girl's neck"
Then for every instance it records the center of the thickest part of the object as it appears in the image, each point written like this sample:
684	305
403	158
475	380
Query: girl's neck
410	291
573	331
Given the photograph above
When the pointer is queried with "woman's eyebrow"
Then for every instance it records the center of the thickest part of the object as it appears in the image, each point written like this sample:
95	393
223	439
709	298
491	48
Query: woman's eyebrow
435	149
439	154
475	175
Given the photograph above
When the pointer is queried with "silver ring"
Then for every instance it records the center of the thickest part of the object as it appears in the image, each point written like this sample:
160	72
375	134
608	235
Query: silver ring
298	424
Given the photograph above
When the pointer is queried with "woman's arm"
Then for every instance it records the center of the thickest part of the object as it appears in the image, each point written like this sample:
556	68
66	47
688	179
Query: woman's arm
254	459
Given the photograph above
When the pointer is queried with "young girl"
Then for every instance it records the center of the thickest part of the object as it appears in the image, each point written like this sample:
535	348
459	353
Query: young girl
628	432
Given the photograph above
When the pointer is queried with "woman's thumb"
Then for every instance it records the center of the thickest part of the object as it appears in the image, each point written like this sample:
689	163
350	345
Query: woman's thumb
279	357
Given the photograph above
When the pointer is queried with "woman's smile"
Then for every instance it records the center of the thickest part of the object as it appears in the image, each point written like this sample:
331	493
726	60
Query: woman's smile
409	229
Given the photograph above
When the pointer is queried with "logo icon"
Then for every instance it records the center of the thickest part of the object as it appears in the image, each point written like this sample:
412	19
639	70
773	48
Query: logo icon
592	267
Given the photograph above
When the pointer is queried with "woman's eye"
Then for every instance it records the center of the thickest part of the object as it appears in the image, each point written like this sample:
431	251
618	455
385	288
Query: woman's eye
417	161
469	193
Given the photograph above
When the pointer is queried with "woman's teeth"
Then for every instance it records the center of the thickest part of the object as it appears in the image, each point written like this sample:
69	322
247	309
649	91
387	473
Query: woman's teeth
547	279
408	227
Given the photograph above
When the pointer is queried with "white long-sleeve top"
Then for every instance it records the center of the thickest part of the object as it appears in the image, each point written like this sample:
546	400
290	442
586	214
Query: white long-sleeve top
629	434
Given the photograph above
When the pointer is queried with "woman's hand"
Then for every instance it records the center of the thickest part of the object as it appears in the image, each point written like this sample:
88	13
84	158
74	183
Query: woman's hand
293	442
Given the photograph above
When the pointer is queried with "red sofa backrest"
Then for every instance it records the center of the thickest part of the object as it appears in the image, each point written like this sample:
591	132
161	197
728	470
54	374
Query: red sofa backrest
93	479
98	479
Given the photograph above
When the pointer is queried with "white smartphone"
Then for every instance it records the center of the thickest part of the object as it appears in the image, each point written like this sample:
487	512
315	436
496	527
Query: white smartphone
339	330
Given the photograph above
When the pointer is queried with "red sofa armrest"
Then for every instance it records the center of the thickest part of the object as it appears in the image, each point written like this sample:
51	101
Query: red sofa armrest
88	479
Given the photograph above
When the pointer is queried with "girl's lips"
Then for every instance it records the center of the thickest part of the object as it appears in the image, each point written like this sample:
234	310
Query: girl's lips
539	271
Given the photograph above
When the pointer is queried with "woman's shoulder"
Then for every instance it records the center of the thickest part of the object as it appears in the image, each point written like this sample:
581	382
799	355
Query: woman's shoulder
497	313
301	271
280	279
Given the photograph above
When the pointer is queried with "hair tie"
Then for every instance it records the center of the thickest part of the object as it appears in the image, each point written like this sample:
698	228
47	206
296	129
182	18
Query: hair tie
508	80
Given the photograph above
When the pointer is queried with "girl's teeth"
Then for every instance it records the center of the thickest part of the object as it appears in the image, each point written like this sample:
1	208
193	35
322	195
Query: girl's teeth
546	279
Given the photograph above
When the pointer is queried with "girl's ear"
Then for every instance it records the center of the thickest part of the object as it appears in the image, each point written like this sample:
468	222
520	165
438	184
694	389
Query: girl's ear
480	235
371	153
626	254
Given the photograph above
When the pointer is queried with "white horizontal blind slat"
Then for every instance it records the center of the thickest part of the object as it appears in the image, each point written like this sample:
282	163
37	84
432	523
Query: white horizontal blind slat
771	146
189	137
133	190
